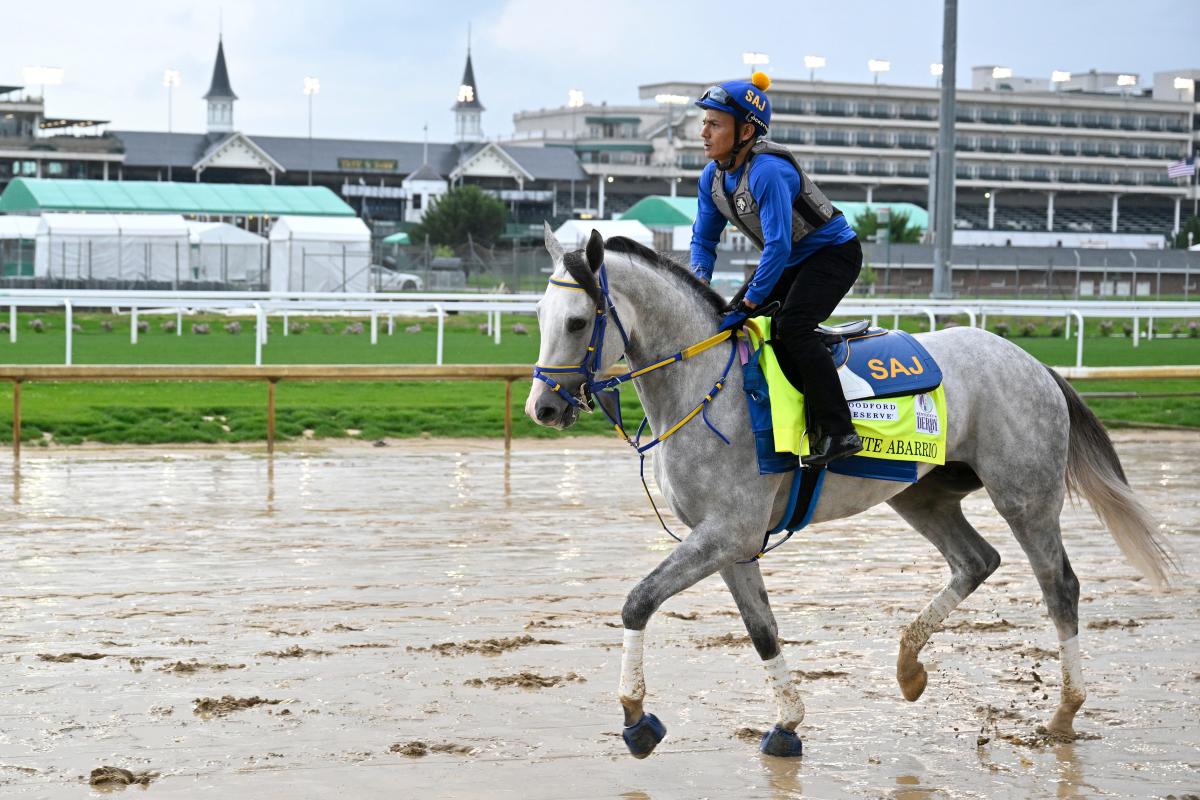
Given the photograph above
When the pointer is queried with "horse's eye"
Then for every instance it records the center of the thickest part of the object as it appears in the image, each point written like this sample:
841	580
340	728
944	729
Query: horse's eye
576	324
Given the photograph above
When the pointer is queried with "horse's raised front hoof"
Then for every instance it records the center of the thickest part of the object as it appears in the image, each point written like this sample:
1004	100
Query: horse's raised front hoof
912	681
782	743
644	735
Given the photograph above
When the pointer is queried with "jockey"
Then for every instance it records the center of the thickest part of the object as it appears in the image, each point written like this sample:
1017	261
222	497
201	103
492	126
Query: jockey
810	255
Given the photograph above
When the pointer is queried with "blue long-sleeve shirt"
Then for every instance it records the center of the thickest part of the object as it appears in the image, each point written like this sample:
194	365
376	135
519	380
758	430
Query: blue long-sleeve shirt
774	183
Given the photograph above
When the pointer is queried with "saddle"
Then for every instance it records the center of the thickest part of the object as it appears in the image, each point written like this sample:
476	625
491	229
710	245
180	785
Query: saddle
875	362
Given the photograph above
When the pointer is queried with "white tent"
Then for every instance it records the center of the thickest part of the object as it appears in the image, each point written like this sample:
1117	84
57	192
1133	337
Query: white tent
225	253
134	247
320	254
573	234
17	234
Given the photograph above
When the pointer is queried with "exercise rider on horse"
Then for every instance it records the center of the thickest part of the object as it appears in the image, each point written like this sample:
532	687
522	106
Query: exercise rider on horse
810	254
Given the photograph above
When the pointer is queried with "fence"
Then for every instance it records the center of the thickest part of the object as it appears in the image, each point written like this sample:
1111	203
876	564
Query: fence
322	372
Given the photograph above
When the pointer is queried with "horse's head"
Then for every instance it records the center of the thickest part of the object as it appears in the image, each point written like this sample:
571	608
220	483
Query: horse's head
568	314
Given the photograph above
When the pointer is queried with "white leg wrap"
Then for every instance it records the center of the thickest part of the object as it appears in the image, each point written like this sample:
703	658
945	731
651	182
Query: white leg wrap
1068	653
917	634
633	678
787	695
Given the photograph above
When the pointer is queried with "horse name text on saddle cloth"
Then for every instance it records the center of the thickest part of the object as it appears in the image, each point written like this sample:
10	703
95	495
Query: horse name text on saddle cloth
895	396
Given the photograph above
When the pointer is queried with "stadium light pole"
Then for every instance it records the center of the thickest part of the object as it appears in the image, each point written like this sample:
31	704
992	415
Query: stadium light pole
312	86
878	65
814	63
170	80
753	60
943	231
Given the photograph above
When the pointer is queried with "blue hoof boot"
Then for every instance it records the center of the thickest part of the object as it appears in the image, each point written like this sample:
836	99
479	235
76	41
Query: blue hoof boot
644	735
782	743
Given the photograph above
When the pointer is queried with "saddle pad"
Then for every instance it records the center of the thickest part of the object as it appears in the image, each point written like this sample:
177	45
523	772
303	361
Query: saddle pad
910	428
884	363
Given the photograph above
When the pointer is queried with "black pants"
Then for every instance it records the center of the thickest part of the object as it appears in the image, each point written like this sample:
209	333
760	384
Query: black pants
809	292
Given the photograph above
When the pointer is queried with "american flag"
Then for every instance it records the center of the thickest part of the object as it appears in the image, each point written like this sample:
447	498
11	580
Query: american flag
1182	169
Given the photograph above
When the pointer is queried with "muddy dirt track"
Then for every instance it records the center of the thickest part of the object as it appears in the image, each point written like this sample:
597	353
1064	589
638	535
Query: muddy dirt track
430	620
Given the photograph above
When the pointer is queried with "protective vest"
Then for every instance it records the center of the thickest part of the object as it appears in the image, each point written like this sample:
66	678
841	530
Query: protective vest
810	210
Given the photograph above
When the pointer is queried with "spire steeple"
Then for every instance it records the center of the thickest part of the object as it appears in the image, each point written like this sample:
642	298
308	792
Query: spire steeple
220	95
467	108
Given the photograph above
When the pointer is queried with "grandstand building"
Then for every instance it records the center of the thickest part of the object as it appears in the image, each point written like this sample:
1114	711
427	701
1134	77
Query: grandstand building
1080	160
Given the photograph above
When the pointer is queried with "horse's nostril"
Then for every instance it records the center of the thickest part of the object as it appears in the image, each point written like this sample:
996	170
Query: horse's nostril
546	413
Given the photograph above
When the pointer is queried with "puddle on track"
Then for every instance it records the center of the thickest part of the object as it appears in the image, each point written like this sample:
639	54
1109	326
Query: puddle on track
357	561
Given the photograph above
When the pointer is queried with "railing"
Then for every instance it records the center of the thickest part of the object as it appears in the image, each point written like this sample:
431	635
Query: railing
327	372
262	305
271	374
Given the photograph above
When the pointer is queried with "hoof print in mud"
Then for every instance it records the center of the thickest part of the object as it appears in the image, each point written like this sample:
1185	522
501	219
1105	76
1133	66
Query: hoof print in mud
782	743
644	735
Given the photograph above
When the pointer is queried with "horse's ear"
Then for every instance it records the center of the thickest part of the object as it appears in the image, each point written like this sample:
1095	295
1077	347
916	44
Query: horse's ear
553	246
595	250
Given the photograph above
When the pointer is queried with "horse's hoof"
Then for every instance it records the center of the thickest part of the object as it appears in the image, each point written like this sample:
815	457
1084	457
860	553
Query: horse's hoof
782	743
644	735
912	684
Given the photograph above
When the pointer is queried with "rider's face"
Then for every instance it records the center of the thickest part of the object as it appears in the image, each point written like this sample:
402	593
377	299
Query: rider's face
717	130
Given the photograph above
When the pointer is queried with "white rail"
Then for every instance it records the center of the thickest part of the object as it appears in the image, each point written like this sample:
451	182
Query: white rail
263	305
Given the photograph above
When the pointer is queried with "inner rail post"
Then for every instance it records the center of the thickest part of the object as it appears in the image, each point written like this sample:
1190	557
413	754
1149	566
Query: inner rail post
271	415
16	419
508	419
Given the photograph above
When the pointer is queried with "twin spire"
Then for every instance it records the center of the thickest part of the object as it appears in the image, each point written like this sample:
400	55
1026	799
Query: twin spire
467	108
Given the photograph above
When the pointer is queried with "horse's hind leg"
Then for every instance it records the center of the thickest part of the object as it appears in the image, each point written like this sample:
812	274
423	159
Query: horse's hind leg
933	507
1034	522
746	585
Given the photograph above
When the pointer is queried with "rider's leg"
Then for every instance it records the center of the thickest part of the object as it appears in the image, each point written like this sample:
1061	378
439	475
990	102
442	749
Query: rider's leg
820	283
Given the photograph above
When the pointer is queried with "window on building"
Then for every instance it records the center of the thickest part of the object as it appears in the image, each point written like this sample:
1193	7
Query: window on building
918	112
910	140
54	168
965	143
1152	123
1068	119
1128	150
874	110
966	113
997	116
965	171
832	108
832	137
1090	148
1128	122
1066	147
1034	146
416	202
872	139
1034	116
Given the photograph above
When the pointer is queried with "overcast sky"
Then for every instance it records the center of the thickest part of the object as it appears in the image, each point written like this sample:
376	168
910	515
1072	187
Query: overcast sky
387	68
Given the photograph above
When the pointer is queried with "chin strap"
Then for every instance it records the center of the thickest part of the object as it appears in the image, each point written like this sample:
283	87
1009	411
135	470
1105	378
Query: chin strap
733	154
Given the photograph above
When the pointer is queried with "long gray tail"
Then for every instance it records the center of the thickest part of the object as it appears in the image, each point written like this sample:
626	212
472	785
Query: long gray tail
1094	471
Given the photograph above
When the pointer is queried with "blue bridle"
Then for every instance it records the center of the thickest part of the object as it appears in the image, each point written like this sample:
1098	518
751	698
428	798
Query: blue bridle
592	362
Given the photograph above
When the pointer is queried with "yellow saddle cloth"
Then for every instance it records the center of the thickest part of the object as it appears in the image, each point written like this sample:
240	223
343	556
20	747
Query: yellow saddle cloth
907	428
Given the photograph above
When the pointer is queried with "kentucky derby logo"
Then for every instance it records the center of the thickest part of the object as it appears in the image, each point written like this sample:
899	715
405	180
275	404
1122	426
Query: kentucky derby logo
926	413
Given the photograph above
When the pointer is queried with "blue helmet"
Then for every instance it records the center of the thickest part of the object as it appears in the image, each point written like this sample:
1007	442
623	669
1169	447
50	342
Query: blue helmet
747	101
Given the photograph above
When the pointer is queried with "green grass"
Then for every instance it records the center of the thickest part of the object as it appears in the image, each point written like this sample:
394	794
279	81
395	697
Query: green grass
177	412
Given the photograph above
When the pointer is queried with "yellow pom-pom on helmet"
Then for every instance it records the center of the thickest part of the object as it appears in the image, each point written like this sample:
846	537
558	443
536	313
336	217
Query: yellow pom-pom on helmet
761	80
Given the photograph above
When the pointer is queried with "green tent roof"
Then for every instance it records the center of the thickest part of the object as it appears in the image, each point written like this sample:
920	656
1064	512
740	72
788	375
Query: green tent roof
224	199
397	238
660	211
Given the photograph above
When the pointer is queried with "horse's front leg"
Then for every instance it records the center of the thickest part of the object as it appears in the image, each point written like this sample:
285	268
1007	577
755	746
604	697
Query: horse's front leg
709	548
746	585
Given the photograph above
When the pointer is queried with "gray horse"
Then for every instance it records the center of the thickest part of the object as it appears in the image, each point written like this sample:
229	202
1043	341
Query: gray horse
1014	428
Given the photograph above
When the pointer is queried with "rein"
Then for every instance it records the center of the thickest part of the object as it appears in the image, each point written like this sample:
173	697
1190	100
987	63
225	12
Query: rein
609	388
